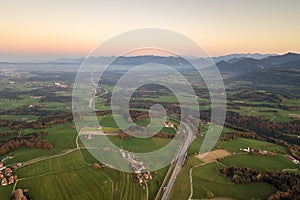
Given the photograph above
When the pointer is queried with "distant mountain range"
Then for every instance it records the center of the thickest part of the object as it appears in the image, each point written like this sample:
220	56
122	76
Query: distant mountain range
245	65
235	57
232	65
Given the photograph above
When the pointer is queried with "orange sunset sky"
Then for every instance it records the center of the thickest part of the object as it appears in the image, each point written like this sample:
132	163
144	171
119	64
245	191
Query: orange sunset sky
44	29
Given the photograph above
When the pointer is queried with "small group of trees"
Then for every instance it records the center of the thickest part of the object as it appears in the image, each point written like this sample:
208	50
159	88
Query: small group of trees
232	135
8	133
287	184
32	140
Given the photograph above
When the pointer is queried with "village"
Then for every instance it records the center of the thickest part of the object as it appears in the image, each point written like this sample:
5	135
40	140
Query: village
140	175
8	176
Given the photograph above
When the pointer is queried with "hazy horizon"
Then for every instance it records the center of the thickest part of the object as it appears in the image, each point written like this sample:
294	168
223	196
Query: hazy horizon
37	30
34	58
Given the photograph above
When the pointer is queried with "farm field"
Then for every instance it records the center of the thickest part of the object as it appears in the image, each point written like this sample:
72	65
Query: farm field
5	192
61	136
236	144
140	145
84	183
68	177
19	117
274	114
183	180
207	182
69	161
153	185
277	162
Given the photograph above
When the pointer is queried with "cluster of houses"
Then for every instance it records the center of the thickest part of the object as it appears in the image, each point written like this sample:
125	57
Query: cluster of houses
139	177
57	84
257	151
7	175
137	166
294	160
169	124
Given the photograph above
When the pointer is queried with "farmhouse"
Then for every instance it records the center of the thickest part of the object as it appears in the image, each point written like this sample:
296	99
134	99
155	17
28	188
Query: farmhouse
169	124
8	171
257	151
294	160
4	182
11	180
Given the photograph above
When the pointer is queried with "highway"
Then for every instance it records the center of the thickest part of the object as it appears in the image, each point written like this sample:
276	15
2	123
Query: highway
179	161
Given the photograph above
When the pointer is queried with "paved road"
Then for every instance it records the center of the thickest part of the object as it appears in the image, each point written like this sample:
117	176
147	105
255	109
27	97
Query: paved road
179	160
95	91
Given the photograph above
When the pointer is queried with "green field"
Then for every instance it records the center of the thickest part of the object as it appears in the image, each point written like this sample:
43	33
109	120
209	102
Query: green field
153	185
13	104
280	116
236	144
166	98
140	145
295	171
25	154
57	106
206	179
18	117
68	177
67	162
109	121
245	191
197	143
278	162
182	182
100	104
84	183
157	179
5	192
61	136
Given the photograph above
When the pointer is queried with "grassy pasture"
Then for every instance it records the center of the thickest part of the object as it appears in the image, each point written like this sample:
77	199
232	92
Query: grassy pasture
280	116
278	162
140	145
67	162
182	182
206	179
84	183
5	192
68	177
236	144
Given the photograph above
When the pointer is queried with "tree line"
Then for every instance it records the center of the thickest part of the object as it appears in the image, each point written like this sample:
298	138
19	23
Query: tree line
42	122
287	184
32	140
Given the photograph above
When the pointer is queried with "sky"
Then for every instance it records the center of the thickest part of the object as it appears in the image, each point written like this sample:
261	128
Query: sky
44	29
